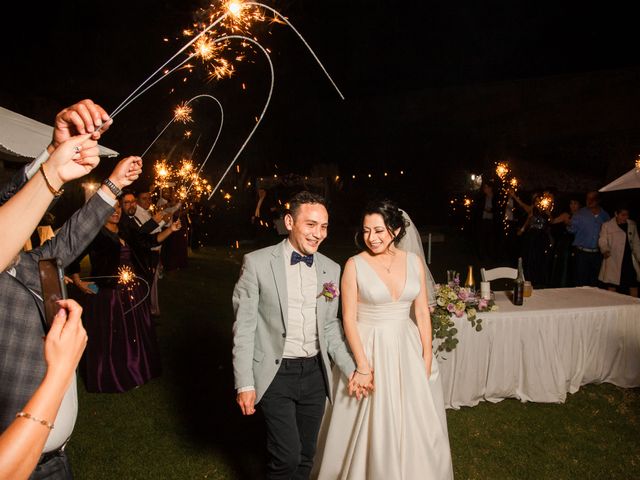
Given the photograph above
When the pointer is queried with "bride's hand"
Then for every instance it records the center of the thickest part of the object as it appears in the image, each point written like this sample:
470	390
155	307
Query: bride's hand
427	364
361	383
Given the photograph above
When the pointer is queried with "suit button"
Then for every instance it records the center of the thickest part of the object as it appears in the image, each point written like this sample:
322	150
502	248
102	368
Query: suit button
284	335
277	362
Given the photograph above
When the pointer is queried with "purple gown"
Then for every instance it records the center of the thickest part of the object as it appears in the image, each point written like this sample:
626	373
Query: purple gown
122	351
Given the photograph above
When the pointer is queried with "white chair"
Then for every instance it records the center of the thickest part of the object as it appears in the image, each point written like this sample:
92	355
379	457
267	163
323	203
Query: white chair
497	273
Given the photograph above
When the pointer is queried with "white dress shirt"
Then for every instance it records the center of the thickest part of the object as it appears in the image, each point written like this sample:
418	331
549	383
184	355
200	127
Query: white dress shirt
302	327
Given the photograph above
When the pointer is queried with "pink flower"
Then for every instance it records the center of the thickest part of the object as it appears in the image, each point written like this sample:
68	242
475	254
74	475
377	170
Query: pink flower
451	307
329	291
459	313
483	303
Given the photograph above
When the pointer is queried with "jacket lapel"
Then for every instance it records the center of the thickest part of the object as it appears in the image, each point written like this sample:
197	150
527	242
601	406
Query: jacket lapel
280	279
320	300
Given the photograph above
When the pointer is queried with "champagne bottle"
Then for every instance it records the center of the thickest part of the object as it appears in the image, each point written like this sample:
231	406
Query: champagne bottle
518	285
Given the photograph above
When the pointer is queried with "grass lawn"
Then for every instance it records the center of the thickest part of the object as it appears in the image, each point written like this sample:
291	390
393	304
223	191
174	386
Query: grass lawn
186	424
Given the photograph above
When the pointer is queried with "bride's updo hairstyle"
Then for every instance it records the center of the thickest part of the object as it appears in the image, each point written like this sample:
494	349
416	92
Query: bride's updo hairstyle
392	216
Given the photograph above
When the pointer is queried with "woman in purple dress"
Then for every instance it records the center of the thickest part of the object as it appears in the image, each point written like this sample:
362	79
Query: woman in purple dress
122	352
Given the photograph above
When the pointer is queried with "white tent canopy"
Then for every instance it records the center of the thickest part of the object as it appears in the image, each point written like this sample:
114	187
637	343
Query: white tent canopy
631	179
24	138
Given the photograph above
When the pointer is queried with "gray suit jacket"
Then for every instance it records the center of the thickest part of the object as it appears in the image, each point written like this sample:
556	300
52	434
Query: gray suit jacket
259	332
22	364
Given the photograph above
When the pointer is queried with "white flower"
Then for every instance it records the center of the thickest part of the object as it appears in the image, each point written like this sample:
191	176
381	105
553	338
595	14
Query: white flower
471	312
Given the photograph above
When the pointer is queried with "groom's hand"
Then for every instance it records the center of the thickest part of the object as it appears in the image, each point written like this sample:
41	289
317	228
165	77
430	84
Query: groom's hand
247	402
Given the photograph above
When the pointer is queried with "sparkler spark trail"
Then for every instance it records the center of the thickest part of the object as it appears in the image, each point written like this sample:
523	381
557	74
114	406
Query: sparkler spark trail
127	279
125	275
545	202
188	104
502	170
182	113
237	12
255	127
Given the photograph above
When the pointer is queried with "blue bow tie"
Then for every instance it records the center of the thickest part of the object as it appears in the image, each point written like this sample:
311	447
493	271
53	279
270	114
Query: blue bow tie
297	258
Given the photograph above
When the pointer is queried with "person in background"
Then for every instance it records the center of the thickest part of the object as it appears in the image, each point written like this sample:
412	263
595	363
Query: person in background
175	251
122	352
585	225
563	260
620	247
487	223
144	213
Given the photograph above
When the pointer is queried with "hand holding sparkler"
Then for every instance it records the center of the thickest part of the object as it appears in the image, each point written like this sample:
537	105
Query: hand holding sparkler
175	226
72	159
78	119
126	171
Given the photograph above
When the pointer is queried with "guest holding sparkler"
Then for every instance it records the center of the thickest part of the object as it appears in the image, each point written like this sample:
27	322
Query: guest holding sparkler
144	213
122	352
487	223
176	250
536	237
563	255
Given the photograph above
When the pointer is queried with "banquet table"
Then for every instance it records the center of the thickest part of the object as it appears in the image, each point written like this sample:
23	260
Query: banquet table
559	340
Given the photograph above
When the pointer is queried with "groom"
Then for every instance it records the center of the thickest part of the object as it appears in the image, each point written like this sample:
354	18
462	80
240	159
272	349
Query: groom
284	333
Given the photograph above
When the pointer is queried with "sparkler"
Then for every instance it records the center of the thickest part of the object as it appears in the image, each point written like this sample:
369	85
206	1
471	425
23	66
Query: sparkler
128	280
240	15
188	104
502	170
182	113
545	202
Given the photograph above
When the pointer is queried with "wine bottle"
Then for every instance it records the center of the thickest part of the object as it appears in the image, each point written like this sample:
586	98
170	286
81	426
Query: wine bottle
518	285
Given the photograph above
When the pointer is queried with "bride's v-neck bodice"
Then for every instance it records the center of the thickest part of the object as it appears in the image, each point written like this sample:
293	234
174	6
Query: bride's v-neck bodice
375	304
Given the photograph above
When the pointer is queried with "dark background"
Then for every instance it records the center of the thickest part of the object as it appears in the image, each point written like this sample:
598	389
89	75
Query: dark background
435	90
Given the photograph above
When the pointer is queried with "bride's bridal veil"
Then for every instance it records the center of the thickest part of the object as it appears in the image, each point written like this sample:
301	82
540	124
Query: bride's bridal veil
412	242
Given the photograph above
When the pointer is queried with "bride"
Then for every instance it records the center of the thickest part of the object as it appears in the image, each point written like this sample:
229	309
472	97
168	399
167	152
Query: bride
398	430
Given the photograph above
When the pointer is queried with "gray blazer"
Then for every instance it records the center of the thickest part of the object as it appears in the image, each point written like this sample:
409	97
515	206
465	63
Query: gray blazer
259	332
22	364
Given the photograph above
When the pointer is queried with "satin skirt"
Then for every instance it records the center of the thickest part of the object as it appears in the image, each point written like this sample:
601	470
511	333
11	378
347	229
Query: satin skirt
399	431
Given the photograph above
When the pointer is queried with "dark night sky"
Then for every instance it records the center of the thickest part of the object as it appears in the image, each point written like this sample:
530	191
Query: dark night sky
57	54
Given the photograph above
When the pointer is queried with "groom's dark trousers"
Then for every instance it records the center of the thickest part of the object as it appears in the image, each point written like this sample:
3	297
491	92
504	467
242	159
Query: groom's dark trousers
293	406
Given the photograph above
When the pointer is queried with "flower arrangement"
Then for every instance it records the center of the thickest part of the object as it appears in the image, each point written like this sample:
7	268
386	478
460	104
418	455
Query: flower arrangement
329	291
454	300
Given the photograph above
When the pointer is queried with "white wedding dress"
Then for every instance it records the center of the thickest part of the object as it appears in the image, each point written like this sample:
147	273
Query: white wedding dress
398	432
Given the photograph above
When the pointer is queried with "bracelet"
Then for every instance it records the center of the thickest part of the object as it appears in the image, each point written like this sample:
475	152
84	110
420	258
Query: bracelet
35	419
56	193
112	186
362	373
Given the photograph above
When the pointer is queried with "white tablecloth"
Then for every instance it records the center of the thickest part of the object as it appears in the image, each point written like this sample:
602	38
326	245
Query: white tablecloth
559	340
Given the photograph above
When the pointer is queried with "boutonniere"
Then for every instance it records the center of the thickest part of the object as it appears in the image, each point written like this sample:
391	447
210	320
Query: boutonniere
329	291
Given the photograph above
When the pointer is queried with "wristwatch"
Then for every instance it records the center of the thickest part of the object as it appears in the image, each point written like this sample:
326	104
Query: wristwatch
112	186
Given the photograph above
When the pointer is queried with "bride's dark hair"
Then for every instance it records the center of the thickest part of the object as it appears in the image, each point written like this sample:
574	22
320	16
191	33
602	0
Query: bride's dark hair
391	215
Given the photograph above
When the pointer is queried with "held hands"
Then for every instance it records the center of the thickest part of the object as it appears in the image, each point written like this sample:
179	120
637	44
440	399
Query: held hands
126	172
78	119
247	402
361	384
